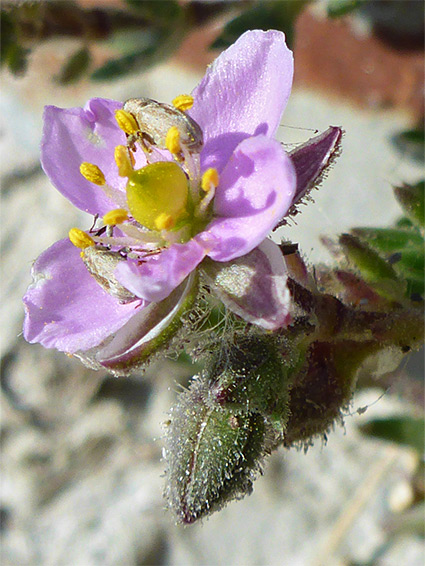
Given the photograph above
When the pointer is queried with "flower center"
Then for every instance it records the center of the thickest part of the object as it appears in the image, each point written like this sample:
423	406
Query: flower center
157	195
166	201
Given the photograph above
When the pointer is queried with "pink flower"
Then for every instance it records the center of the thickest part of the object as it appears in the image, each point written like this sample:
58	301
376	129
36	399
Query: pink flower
207	207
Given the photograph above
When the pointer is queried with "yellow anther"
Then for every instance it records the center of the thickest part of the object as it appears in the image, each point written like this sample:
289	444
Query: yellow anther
164	221
80	239
123	161
172	140
210	179
116	216
92	173
183	102
126	121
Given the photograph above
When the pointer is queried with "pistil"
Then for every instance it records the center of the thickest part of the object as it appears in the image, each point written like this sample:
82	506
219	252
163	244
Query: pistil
155	190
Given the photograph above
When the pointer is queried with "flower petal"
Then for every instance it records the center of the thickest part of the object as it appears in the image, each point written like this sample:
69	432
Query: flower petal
147	332
155	278
313	158
65	307
74	135
243	93
254	286
255	191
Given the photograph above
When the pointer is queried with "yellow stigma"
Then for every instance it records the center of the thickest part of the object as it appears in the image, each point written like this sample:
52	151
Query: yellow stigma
183	102
126	121
124	161
172	140
164	221
158	189
92	173
80	239
116	216
210	179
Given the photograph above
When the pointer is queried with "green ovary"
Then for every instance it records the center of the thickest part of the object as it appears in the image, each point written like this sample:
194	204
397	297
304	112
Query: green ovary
156	191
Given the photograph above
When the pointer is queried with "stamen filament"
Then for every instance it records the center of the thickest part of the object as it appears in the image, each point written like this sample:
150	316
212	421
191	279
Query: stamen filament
203	205
116	196
144	236
122	242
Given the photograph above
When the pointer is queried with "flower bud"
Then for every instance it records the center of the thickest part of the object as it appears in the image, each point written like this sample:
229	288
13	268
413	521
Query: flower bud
251	373
223	426
213	453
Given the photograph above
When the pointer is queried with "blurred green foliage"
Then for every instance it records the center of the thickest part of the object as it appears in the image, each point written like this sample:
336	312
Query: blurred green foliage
411	143
74	67
394	254
142	33
338	8
262	15
402	429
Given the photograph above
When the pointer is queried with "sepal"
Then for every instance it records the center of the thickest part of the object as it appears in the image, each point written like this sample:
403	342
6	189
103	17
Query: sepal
253	286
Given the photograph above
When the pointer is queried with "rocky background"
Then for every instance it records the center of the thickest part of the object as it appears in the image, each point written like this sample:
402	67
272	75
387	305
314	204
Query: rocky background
81	451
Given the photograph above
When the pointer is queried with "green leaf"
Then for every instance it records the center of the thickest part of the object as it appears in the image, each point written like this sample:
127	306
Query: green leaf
338	8
377	272
411	142
415	136
75	67
411	198
402	429
264	16
142	50
163	13
16	59
404	249
411	258
389	240
415	288
7	35
404	222
135	62
410	265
